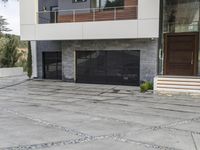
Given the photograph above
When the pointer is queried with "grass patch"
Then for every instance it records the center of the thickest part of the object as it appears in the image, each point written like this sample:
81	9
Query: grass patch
146	86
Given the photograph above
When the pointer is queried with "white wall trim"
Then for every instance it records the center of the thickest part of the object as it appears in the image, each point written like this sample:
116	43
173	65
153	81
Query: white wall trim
34	58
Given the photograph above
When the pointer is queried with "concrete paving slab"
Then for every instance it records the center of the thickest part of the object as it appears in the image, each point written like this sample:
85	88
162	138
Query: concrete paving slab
21	131
165	137
196	138
57	115
191	127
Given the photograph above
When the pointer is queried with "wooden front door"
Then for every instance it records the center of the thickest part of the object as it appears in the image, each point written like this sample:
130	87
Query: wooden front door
181	54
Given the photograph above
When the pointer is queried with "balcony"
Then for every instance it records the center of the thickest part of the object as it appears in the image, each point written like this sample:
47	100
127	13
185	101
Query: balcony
136	19
88	15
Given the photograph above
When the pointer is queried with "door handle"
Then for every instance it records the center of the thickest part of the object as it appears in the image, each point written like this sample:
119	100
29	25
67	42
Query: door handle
192	60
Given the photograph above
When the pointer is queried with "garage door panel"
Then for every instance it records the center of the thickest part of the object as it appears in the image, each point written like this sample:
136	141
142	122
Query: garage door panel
108	67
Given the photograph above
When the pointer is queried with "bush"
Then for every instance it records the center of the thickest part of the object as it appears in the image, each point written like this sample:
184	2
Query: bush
9	53
29	61
146	86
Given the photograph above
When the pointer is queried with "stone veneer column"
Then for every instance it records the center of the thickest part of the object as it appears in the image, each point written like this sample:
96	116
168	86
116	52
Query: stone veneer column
148	54
68	62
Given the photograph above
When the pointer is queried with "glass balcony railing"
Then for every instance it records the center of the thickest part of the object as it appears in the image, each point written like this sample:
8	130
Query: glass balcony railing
88	15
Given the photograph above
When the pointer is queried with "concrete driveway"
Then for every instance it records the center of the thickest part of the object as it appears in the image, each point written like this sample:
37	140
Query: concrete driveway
65	116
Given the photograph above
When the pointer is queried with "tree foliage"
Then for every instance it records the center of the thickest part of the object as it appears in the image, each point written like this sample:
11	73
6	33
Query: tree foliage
5	1
9	53
3	26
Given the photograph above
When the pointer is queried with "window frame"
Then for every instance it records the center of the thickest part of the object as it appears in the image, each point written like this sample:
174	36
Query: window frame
79	1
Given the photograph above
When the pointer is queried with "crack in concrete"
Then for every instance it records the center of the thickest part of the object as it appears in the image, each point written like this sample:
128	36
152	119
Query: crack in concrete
174	110
164	103
15	84
113	119
195	145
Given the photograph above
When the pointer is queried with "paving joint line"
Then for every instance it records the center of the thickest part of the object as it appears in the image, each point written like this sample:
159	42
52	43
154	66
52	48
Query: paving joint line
59	143
186	131
167	126
46	123
115	137
48	144
146	144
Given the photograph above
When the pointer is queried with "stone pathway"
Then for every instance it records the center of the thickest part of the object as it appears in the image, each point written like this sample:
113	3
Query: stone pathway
52	115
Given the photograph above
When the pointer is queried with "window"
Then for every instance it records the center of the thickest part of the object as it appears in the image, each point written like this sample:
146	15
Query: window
78	1
107	3
181	15
112	3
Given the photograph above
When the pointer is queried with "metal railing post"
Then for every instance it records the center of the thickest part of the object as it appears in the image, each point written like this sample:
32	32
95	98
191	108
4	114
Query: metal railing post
137	12
115	13
55	17
94	15
74	15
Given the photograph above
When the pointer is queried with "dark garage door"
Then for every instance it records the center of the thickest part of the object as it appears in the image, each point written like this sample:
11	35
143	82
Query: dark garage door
108	67
52	65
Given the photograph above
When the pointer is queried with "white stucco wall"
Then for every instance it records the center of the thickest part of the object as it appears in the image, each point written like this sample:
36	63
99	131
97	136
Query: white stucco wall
148	9
7	72
146	26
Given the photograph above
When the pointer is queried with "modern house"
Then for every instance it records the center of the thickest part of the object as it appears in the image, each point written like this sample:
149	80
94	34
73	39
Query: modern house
113	41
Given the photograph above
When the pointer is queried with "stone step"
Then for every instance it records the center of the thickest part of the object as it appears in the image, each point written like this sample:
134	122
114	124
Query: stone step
183	84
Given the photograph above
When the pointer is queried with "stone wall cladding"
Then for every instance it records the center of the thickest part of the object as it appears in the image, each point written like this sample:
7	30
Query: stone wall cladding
47	4
44	17
45	46
148	54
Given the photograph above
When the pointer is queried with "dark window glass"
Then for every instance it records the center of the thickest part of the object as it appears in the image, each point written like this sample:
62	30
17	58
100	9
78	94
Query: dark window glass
52	65
106	3
78	1
112	3
54	14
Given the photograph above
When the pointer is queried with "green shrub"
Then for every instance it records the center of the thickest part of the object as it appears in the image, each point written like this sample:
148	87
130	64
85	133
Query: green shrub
146	86
10	54
29	61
